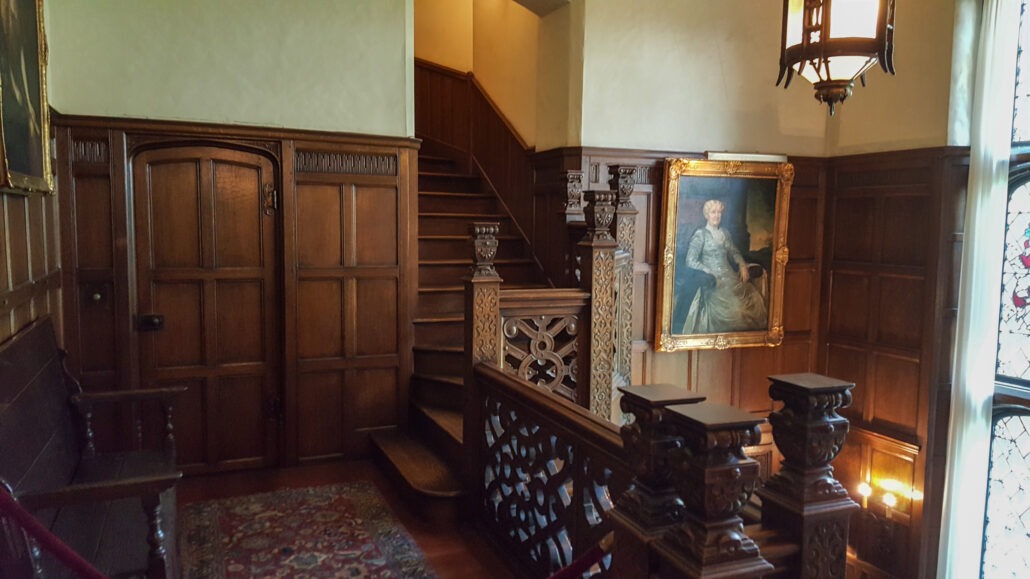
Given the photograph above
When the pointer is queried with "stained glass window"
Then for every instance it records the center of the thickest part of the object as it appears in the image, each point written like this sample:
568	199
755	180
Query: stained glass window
1014	329
1021	105
1007	528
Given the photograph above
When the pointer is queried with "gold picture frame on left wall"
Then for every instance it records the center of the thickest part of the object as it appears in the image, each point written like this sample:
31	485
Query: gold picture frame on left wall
24	111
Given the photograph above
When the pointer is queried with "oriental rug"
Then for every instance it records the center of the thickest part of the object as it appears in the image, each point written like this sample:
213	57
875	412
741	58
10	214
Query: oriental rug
342	530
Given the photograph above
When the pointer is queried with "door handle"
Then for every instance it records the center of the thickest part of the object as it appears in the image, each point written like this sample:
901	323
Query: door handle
150	322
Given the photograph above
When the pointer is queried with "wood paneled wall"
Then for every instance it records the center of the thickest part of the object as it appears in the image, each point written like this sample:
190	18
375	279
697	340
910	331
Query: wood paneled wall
30	261
893	248
346	249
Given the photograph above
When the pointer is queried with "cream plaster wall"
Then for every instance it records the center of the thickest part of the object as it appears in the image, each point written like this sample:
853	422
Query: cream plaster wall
505	36
692	75
912	109
318	64
443	32
559	118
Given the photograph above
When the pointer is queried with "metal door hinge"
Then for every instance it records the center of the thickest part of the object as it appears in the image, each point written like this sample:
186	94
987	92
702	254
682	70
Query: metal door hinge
271	199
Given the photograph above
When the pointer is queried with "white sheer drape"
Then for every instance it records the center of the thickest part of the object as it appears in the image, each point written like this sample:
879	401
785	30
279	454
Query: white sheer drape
979	292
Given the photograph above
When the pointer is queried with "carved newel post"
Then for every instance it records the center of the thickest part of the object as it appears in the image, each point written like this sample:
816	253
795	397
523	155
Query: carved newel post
482	333
804	499
622	183
598	277
651	505
715	479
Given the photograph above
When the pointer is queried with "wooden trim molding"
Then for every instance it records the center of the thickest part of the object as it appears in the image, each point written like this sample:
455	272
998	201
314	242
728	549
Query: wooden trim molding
28	291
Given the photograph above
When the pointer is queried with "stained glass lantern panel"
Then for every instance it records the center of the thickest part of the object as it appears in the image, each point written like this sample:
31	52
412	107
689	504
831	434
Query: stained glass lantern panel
1014	329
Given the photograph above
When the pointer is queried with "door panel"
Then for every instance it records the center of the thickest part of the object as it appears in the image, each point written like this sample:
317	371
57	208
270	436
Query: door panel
206	260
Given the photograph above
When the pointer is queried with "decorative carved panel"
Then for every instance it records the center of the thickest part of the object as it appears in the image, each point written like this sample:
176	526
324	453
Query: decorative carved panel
345	163
542	349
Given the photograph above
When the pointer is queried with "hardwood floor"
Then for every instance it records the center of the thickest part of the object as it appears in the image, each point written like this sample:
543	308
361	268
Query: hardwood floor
452	551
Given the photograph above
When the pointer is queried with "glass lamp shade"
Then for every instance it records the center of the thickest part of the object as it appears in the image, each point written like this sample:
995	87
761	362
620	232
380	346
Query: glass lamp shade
830	43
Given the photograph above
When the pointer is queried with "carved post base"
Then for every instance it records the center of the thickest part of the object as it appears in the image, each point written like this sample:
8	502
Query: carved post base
821	529
632	553
710	549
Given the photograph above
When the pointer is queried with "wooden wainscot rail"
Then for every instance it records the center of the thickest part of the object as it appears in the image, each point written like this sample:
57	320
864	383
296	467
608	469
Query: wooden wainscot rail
803	499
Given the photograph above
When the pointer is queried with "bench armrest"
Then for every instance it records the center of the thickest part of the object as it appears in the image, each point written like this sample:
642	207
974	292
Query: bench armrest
101	491
83	399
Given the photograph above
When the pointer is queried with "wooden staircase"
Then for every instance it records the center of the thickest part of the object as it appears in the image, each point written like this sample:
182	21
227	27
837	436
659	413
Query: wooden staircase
425	457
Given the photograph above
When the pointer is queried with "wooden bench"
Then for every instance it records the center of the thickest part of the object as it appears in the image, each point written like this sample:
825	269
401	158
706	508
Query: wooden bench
115	509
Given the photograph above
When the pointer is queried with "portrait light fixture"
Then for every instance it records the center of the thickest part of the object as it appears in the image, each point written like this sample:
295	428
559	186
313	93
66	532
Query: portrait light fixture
832	42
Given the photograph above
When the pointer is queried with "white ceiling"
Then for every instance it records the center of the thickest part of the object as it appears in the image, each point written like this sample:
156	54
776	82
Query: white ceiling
543	7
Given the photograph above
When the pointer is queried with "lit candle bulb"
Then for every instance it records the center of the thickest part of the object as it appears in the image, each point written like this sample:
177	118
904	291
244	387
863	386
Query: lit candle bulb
866	491
890	501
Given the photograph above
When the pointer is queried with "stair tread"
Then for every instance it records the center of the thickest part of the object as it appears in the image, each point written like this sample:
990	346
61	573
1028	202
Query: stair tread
439	318
422	157
457	381
502	261
459	288
420	467
444	174
458	194
463	237
447	349
451	421
479	216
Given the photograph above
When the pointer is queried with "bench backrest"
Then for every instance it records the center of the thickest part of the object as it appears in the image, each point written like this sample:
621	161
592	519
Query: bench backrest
39	445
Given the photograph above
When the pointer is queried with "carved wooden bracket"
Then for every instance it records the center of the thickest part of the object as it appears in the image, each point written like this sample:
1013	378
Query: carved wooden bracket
804	499
574	196
715	479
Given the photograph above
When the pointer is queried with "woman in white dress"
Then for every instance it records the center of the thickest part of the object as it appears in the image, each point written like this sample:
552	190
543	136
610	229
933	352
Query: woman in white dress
731	303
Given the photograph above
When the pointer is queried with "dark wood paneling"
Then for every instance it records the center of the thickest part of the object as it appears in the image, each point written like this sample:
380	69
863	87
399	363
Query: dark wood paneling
892	252
350	229
30	279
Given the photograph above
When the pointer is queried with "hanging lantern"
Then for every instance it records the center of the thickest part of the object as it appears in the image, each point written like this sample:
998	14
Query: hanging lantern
832	42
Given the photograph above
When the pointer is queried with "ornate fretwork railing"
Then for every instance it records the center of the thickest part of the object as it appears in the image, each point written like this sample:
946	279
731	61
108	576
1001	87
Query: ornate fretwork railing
549	479
561	339
547	472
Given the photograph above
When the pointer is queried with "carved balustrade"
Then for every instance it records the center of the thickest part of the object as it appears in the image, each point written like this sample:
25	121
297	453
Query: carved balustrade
547	472
562	339
803	499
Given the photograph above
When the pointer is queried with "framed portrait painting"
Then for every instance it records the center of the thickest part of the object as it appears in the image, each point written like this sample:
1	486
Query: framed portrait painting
24	113
724	254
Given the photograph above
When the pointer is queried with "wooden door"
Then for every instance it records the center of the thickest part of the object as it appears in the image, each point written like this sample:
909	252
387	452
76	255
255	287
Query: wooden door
206	258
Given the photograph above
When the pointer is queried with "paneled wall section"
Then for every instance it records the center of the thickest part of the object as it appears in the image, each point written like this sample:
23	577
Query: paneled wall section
343	206
30	274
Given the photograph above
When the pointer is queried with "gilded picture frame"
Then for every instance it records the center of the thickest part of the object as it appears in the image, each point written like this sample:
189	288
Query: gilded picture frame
24	111
723	249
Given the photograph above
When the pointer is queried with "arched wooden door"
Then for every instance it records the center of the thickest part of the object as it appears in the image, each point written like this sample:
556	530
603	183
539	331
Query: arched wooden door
208	299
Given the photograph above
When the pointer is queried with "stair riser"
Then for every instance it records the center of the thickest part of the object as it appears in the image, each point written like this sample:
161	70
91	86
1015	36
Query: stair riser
442	511
437	438
453	183
431	225
452	274
440	363
444	204
462	249
439	333
437	165
436	393
440	303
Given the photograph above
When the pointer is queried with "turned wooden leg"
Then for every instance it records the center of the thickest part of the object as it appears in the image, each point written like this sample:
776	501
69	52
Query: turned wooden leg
157	557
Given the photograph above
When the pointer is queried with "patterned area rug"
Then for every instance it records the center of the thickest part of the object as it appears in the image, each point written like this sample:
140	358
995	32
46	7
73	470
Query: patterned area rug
343	530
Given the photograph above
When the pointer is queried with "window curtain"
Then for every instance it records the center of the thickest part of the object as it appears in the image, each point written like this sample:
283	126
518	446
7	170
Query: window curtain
979	292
